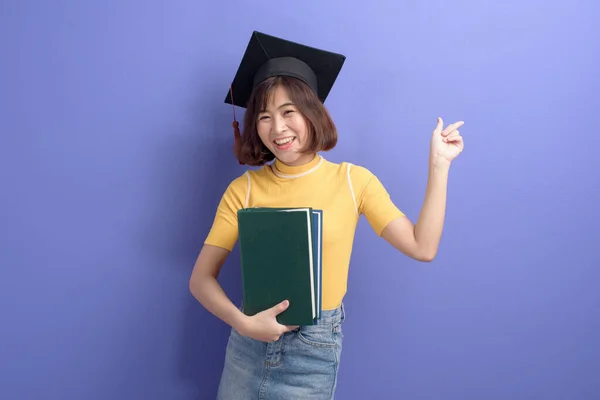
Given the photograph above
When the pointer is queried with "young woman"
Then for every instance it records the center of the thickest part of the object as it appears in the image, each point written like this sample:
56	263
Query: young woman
287	123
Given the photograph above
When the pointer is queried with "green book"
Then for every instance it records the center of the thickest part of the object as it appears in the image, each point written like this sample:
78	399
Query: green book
278	262
318	257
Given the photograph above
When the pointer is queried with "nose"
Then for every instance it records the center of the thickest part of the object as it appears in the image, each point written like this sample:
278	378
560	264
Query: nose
278	124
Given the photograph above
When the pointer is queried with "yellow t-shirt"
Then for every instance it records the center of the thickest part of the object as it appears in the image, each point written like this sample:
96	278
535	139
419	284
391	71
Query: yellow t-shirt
343	191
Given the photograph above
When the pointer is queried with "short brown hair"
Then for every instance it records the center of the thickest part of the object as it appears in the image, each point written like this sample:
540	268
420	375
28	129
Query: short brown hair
322	133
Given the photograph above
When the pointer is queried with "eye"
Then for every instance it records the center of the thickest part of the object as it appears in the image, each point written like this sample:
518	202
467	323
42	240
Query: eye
287	112
263	117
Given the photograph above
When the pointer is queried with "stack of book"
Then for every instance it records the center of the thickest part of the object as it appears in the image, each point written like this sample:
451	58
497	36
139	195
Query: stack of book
280	252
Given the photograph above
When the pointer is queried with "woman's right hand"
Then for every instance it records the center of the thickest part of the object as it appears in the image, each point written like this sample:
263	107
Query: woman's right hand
263	326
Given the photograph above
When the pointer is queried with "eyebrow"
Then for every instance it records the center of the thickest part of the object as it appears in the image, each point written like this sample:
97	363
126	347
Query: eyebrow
281	106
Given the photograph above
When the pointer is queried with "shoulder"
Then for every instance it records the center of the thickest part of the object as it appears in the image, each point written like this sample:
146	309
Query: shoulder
261	173
358	174
237	187
358	177
240	185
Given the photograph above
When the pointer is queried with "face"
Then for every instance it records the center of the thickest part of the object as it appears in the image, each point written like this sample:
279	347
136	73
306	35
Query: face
283	130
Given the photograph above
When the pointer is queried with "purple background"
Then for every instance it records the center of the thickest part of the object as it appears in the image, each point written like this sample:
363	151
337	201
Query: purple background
115	148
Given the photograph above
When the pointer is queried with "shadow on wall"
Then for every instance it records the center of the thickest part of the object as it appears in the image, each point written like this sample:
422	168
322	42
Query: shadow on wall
193	169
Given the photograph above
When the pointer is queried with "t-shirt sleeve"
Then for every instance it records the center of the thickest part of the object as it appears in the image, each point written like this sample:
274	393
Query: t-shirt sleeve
224	230
372	199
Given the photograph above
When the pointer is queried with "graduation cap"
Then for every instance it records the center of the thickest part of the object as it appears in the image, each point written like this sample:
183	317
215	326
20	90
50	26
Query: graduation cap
267	56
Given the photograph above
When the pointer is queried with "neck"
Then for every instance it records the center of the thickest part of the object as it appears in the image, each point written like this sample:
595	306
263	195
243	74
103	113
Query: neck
298	168
302	160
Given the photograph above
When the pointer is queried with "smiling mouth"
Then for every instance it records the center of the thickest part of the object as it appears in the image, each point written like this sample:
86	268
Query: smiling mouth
284	141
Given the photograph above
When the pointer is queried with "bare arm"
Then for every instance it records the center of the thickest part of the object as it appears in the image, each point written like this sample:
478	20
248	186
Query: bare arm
207	290
421	242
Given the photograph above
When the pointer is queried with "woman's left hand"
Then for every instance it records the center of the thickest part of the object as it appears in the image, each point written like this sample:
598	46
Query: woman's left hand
446	144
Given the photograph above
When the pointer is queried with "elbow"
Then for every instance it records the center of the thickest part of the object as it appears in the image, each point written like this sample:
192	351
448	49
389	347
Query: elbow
426	256
195	284
198	282
192	284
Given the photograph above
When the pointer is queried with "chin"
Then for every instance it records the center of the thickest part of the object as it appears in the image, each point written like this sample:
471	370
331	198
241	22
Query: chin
293	158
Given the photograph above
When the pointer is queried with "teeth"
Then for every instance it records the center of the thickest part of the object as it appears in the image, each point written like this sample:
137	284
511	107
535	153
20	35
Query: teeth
283	141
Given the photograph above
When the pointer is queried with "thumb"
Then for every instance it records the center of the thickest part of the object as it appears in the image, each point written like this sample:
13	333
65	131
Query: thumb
279	308
440	125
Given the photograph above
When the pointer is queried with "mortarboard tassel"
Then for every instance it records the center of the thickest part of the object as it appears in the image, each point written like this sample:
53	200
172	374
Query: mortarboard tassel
236	130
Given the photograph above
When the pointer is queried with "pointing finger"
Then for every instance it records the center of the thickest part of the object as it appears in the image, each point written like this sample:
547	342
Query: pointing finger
452	127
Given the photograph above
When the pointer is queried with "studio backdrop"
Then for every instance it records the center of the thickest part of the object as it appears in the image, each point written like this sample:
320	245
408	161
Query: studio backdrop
116	146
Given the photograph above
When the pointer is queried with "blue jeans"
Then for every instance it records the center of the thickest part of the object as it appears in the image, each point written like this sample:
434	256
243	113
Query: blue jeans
302	364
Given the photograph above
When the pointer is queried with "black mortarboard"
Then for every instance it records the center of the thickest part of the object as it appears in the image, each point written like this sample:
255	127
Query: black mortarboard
268	56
